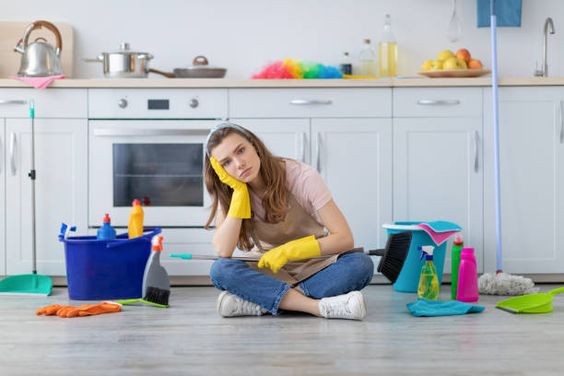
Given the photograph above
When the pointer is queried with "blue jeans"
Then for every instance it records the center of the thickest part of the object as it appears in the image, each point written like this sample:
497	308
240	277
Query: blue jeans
352	271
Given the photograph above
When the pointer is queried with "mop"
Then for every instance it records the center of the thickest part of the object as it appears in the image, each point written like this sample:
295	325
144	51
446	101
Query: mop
499	283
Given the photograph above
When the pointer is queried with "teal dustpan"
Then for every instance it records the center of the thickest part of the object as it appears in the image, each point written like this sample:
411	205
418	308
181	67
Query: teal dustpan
26	284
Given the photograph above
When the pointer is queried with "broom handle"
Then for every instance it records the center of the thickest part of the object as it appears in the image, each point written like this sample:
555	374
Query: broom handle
190	256
32	177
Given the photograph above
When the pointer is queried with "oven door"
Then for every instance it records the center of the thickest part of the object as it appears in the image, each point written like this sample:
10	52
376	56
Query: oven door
160	162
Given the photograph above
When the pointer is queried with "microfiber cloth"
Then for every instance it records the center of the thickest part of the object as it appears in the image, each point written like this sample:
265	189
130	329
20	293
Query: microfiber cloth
507	13
40	82
425	307
439	231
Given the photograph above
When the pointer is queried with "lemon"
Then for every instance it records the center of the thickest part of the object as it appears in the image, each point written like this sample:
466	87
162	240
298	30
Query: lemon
437	65
450	63
444	55
462	64
427	65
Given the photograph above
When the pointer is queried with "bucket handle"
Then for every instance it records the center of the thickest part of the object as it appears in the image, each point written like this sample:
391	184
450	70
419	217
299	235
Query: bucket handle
143	238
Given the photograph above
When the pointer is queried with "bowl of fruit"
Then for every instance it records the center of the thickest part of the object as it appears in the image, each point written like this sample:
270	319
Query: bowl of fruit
453	64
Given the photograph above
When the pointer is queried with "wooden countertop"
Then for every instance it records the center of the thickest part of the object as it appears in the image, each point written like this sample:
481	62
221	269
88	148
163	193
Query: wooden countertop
247	83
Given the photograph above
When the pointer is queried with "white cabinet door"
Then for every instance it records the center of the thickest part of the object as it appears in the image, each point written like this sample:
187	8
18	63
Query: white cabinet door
354	156
532	180
2	197
61	195
283	137
438	174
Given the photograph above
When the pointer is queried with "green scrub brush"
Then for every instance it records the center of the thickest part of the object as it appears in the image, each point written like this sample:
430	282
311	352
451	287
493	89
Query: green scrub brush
156	285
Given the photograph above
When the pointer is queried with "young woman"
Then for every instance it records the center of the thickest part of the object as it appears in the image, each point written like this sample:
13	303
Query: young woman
281	209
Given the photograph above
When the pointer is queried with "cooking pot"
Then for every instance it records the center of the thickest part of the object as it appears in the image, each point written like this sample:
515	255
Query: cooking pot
199	69
39	58
124	63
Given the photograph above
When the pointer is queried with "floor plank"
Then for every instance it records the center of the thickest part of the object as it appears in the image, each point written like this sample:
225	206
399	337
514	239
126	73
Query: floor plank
191	338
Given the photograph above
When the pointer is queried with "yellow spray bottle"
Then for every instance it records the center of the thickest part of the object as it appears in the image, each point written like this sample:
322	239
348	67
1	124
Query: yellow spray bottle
135	225
428	281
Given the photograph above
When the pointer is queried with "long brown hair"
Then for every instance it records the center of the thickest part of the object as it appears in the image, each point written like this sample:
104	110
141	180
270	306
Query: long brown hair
272	172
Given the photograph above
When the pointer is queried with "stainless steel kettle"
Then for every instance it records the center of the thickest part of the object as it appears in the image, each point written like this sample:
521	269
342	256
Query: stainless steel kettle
39	58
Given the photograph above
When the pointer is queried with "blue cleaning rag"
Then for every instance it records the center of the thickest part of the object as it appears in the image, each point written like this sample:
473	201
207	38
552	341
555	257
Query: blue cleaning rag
425	307
507	13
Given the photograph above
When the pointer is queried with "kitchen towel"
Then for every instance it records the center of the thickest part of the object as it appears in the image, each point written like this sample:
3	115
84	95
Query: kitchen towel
429	308
39	82
439	231
507	12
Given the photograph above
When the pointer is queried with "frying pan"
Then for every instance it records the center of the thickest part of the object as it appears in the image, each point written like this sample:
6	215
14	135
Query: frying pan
199	69
531	303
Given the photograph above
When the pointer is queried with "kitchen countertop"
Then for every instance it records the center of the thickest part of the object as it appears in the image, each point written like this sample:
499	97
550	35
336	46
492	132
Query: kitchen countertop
247	83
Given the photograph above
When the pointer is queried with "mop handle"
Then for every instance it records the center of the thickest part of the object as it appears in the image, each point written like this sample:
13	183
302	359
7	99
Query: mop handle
495	99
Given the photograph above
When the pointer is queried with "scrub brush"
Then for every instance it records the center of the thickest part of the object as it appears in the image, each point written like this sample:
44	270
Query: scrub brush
156	285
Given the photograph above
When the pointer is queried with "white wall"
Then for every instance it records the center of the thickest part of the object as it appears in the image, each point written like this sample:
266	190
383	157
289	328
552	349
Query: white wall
244	35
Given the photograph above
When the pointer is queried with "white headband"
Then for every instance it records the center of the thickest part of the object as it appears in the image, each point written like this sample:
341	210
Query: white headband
223	126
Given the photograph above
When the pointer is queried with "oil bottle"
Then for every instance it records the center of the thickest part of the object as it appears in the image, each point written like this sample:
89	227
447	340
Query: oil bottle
387	51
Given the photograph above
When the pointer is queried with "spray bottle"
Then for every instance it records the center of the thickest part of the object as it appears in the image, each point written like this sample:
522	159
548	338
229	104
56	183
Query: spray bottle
135	225
106	232
428	280
457	245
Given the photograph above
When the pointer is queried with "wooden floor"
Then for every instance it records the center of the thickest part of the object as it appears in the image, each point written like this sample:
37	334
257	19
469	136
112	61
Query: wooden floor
191	339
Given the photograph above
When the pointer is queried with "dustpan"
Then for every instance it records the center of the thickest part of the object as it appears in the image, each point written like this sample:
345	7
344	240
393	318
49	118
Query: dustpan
29	284
532	303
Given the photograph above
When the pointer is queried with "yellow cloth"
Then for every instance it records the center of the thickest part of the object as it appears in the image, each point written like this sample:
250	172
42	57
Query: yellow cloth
79	311
240	206
299	249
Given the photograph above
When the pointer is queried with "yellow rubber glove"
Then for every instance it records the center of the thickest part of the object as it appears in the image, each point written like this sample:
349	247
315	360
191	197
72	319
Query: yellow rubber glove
299	249
240	206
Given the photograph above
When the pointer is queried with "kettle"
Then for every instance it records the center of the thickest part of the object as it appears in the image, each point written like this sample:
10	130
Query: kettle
39	58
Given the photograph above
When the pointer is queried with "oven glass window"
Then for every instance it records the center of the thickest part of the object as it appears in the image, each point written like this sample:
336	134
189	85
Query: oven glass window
158	174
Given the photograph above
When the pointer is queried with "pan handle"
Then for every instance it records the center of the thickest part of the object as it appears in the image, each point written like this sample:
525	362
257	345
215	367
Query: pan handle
162	73
557	291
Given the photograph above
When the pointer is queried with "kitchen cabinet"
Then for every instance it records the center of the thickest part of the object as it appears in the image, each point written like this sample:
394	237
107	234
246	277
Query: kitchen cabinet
531	137
438	164
344	133
61	167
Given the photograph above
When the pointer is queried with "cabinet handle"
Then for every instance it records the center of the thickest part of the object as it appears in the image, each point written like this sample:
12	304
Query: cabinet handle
561	115
438	102
476	149
13	101
13	153
307	102
105	132
1	156
318	152
304	140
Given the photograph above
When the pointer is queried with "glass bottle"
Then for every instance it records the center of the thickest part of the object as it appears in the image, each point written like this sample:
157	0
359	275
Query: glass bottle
387	51
367	59
346	65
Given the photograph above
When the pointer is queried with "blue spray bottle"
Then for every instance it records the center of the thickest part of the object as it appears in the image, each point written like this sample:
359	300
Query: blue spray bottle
428	280
106	232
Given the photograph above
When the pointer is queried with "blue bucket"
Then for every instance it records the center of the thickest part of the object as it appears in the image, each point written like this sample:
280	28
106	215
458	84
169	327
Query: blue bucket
107	269
408	279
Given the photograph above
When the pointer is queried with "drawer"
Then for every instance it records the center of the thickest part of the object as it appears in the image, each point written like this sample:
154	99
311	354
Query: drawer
49	103
264	103
157	103
437	102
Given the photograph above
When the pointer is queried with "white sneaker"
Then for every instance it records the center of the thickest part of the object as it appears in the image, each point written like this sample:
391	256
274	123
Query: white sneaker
229	305
348	306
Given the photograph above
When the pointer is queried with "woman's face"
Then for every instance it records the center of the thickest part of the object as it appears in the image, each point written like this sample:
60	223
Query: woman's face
238	157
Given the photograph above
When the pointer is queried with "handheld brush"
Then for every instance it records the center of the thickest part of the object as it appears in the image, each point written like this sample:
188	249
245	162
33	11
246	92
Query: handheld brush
391	261
156	285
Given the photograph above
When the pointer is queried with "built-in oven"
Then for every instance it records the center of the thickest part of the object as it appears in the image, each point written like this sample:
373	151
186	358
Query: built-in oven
149	144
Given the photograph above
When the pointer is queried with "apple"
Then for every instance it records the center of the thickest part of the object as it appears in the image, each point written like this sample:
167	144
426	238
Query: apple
445	55
475	64
450	63
463	54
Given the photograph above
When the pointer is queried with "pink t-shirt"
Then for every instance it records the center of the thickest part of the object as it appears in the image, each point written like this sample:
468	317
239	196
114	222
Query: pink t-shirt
307	186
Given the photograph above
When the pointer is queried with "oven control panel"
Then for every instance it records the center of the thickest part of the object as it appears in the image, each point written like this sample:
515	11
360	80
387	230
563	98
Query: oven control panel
157	104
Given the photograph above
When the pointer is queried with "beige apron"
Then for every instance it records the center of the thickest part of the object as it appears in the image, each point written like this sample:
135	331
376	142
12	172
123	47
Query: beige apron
297	224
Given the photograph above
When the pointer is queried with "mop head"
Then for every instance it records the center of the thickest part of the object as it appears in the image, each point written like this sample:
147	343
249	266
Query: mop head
505	284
